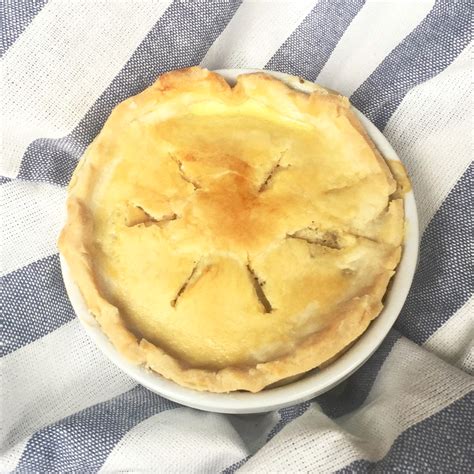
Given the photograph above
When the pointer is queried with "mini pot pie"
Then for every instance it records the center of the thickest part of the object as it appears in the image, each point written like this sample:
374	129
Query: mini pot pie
229	238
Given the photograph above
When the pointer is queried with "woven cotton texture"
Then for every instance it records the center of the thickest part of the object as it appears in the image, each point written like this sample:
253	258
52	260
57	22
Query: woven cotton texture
406	65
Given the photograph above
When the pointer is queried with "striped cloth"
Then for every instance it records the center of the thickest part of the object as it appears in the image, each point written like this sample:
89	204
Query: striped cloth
66	64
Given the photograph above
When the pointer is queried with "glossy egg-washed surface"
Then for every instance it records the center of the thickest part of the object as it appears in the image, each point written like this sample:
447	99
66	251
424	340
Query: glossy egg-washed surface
230	224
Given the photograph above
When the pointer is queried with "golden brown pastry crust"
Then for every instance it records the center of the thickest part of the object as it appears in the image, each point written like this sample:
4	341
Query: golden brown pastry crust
242	203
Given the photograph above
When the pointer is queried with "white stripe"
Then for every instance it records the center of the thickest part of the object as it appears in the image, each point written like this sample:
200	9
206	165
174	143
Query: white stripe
411	386
255	33
60	65
432	132
9	458
377	29
453	341
53	377
31	216
467	361
211	444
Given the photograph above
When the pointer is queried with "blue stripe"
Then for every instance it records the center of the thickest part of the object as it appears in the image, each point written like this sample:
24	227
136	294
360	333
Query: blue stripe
15	16
441	443
180	38
237	465
82	442
34	303
308	48
287	415
444	280
352	393
423	54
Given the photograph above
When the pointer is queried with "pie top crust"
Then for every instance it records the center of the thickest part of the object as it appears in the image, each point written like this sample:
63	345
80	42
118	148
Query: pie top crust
231	237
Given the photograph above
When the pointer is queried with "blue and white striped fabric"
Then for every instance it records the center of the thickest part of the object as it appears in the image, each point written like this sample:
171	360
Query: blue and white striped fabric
406	64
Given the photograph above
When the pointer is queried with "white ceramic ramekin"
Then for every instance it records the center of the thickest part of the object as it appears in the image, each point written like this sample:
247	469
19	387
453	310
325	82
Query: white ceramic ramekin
315	382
